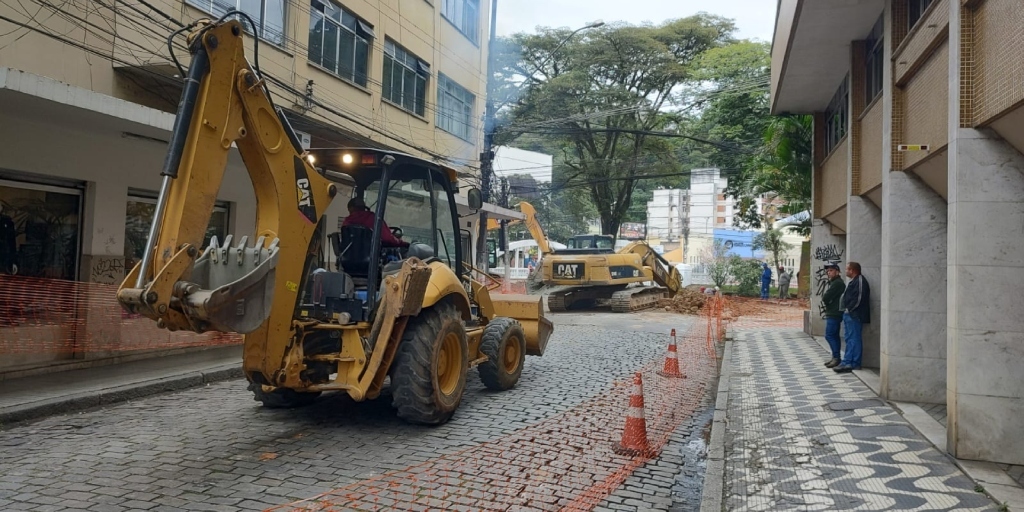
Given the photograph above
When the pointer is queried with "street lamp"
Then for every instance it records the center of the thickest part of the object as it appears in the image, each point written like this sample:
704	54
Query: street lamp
490	112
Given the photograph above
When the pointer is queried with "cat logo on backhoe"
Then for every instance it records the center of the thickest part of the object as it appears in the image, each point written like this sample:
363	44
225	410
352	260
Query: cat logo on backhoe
304	196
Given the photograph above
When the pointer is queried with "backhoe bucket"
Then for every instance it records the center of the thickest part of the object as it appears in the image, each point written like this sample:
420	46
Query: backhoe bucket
528	310
234	286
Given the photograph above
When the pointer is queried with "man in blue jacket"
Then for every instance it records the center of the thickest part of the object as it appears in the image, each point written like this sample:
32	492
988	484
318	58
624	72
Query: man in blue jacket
766	280
856	313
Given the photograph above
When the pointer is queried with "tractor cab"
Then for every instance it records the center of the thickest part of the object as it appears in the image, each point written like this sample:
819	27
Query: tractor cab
399	207
589	244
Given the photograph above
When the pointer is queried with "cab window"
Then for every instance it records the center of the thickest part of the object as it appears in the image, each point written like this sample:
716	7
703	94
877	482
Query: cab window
444	223
408	207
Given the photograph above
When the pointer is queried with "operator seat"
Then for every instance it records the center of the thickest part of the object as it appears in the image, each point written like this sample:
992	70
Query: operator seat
352	247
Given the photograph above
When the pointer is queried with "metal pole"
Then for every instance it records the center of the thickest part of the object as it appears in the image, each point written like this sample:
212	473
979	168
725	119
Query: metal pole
487	155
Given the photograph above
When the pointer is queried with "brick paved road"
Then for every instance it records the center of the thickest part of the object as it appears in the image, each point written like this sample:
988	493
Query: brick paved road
214	448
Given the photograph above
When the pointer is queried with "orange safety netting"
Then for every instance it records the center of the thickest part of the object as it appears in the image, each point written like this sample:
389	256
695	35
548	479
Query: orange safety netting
566	462
55	316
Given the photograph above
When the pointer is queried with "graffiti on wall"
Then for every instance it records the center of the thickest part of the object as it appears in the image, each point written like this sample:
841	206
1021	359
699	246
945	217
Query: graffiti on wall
827	255
107	270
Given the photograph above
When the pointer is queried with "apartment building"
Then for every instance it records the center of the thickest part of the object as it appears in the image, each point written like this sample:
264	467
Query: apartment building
668	215
88	91
918	164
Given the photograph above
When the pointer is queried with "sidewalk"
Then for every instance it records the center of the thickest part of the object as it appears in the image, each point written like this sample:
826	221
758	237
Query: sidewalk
33	397
790	434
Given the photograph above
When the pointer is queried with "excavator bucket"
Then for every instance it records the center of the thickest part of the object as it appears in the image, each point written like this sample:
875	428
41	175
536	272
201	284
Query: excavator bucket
528	310
232	288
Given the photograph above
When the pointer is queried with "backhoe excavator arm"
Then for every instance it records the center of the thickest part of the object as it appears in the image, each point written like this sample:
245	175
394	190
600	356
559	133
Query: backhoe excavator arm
536	231
229	289
663	272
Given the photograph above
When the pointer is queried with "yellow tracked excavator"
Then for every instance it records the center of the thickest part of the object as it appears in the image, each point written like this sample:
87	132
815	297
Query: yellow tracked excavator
410	313
589	272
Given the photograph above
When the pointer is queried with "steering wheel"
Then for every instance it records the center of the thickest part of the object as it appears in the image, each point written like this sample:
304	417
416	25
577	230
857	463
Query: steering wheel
397	232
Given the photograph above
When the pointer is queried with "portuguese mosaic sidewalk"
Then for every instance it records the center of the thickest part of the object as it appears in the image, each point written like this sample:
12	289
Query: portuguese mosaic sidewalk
790	434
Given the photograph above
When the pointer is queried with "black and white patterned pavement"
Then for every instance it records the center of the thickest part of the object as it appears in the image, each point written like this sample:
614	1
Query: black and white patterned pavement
802	437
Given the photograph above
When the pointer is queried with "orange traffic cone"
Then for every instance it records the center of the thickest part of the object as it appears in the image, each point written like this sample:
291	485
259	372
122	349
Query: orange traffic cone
671	368
634	435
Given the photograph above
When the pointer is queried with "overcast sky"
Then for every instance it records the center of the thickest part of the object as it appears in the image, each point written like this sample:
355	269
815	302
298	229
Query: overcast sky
755	19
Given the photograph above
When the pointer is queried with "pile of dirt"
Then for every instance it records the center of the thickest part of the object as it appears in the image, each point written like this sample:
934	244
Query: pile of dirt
687	302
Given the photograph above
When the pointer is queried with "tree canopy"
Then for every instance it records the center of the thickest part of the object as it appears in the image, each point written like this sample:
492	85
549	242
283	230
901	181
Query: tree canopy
602	97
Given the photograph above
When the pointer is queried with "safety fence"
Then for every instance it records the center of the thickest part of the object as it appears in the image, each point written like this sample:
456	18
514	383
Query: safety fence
39	316
570	461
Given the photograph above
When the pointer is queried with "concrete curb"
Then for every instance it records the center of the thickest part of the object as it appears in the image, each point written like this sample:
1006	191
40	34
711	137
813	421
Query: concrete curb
74	402
714	476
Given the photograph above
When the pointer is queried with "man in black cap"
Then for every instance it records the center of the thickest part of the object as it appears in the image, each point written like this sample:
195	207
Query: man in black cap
832	301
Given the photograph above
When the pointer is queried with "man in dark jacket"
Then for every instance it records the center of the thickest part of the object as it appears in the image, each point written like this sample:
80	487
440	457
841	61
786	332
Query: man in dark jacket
856	313
833	312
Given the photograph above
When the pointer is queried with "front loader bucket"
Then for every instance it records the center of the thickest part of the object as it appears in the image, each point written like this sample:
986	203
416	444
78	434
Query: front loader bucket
235	286
528	310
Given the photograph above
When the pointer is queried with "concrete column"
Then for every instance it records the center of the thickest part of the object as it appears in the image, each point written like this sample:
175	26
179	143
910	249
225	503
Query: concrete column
103	232
913	291
826	248
986	291
99	334
864	245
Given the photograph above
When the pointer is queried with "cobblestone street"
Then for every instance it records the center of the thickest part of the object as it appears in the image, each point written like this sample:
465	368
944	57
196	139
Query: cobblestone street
214	448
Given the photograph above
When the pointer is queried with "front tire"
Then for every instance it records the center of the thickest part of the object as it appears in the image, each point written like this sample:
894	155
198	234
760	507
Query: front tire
504	344
428	376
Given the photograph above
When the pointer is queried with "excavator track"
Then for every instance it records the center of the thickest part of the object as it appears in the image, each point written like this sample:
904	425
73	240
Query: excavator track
636	299
556	302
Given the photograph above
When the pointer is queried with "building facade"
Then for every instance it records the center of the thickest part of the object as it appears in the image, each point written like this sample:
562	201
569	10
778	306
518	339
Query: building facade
918	176
88	93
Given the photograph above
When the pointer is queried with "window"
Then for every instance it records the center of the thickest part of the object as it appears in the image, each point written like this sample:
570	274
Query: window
39	227
837	117
339	42
464	14
405	78
873	62
915	9
268	15
139	216
443	223
454	108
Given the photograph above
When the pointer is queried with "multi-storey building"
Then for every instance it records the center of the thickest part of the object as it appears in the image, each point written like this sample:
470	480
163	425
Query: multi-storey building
667	215
88	90
918	176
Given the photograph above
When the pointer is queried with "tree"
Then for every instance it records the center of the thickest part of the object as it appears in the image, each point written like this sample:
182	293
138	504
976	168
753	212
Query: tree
771	240
747	274
715	261
729	102
600	95
781	169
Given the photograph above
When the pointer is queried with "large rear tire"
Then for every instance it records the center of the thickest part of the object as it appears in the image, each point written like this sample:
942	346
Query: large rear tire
428	376
281	398
504	344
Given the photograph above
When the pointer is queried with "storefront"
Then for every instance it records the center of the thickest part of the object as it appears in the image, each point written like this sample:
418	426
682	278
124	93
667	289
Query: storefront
40	226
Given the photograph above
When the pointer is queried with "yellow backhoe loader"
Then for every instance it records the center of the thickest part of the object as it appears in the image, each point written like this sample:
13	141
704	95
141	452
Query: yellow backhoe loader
589	271
410	313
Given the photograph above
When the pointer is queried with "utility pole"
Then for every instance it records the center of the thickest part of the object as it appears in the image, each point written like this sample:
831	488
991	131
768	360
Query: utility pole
487	155
503	239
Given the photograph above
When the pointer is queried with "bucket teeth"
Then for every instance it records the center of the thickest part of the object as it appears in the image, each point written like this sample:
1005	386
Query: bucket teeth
232	298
